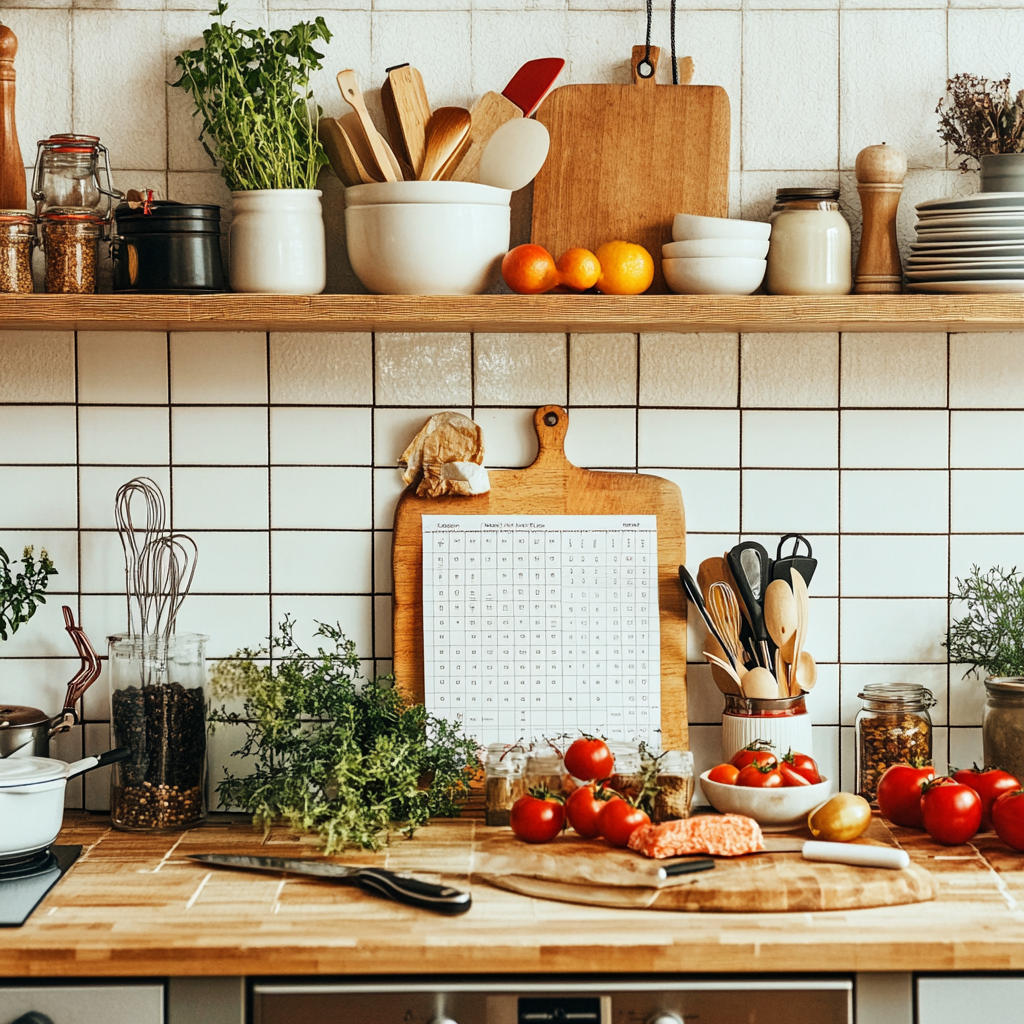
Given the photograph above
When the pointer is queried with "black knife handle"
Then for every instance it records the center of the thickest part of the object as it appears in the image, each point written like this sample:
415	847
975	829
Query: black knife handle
687	867
440	898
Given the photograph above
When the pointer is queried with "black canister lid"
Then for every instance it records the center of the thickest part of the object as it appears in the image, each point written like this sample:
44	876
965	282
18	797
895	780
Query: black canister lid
783	194
167	209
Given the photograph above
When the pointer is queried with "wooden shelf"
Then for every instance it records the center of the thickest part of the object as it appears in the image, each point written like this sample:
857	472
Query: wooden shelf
512	313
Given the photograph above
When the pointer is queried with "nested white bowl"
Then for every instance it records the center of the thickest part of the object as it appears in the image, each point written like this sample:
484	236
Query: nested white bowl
745	248
714	275
690	226
773	809
426	192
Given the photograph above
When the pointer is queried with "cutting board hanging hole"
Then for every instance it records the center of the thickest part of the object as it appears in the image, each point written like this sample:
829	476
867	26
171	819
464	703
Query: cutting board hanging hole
645	64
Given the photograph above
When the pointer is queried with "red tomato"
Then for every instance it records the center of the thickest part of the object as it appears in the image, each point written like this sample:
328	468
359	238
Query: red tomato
988	783
619	820
589	758
805	765
724	773
1008	818
791	777
760	776
899	794
537	820
950	810
756	752
583	809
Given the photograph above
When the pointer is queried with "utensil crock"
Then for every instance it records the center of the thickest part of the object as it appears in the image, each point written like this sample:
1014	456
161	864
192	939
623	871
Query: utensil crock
782	722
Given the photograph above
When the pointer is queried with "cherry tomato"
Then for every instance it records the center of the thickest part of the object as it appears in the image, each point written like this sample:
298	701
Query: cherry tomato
950	810
899	794
619	820
988	783
583	809
760	776
537	819
1008	818
805	765
589	758
724	773
791	777
756	752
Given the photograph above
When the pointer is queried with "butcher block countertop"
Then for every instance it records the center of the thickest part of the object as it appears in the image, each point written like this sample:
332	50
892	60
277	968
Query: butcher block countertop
134	905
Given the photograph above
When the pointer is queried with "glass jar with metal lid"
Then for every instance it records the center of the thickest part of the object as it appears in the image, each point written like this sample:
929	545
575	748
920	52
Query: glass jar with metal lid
504	782
72	173
69	243
1002	724
809	252
893	727
17	236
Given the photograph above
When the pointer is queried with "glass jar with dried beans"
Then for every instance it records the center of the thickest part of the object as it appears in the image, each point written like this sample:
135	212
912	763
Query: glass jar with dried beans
674	779
504	783
17	236
69	242
893	726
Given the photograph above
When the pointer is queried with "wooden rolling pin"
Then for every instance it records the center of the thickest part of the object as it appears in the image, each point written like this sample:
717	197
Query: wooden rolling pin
12	168
880	173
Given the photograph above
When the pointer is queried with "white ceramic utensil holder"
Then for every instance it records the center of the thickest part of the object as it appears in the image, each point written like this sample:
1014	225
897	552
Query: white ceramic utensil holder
276	242
784	723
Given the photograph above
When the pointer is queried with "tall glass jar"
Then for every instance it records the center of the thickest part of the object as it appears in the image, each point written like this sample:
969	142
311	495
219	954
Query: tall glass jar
809	252
69	242
158	710
72	172
504	783
675	786
17	235
893	727
1002	724
628	777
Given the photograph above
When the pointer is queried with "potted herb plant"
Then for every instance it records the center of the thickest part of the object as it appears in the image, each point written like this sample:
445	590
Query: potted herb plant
251	88
22	592
990	639
984	122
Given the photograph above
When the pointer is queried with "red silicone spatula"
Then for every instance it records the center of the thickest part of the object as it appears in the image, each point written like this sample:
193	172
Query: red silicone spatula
532	82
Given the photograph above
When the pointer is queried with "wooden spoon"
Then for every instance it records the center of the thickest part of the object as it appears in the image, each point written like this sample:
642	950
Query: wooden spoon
780	674
341	153
354	98
806	673
780	616
726	678
446	132
803	609
760	684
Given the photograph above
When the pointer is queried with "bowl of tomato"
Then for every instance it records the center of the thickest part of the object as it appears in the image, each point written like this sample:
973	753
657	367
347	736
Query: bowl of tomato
764	796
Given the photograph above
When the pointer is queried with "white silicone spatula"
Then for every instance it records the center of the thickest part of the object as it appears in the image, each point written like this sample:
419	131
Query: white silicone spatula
514	154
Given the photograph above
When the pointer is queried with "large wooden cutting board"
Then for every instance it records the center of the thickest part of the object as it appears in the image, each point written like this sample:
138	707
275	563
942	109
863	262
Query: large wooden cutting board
552	485
625	159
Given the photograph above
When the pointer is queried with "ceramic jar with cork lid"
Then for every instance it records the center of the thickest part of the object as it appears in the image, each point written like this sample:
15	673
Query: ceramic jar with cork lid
809	252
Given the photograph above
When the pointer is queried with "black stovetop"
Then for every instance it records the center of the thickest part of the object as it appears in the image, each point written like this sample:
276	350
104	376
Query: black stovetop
24	881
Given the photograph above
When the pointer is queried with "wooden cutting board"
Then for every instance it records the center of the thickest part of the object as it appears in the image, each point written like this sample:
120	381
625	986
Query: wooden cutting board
625	159
552	485
574	870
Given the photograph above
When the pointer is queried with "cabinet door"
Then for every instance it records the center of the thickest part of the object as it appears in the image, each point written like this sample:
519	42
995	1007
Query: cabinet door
967	999
85	1004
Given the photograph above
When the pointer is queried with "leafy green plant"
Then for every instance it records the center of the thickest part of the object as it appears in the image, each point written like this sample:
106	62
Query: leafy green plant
252	89
981	118
991	636
22	593
335	754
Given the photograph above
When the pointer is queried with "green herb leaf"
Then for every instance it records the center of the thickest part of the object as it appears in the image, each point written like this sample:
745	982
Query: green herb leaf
991	636
22	593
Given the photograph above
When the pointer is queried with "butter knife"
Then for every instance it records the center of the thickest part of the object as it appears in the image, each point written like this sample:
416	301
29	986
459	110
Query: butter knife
440	898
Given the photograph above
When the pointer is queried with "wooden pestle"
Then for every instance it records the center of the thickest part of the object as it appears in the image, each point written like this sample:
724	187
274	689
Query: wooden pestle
880	173
12	168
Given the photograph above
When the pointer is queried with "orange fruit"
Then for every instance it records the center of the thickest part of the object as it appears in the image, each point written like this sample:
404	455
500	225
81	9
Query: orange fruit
626	268
529	270
578	269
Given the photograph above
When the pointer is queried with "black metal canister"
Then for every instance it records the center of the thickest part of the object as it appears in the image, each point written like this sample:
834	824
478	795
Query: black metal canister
164	246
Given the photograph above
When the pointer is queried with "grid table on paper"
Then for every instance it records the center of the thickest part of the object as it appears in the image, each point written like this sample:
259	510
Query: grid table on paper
539	626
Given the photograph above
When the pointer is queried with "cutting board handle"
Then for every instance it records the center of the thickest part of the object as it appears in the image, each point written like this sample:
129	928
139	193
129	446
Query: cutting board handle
551	423
639	53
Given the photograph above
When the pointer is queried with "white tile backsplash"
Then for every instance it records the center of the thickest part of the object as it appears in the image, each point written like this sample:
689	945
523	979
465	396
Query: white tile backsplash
780	439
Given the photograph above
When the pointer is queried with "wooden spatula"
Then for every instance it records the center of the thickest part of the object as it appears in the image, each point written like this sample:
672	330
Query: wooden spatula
407	111
446	132
346	163
354	98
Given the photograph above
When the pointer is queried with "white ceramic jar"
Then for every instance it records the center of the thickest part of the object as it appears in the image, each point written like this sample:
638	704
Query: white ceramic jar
809	252
276	242
782	722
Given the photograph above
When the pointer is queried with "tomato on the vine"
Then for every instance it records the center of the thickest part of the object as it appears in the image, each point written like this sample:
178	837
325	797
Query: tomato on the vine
1008	818
583	810
989	784
589	758
760	776
804	765
951	811
724	773
620	819
537	819
791	777
899	794
757	752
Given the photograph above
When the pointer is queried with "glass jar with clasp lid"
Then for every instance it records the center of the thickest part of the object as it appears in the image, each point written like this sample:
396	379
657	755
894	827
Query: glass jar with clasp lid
894	726
810	250
72	173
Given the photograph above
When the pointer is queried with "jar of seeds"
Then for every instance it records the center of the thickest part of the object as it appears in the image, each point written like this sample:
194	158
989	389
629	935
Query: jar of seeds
17	236
503	781
674	779
158	711
628	777
69	242
893	727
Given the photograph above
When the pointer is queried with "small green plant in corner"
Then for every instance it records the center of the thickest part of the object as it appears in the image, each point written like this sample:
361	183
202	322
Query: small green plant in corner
22	592
981	118
348	758
990	637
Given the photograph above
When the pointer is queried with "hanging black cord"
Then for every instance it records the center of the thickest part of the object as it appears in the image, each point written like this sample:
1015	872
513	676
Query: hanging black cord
645	69
672	33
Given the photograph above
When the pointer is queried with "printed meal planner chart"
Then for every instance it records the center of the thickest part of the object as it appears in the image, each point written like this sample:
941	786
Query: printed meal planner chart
541	625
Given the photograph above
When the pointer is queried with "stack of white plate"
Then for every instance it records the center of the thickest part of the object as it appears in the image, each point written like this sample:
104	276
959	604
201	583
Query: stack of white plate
969	246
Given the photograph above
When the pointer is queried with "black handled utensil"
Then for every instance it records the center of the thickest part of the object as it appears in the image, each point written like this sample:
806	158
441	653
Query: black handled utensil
692	591
442	899
686	867
804	564
751	569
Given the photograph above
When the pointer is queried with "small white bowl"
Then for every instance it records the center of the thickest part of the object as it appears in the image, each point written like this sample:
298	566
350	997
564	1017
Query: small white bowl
689	225
745	248
714	275
773	809
426	192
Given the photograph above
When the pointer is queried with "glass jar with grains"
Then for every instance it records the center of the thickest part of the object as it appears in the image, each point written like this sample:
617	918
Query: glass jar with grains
675	786
504	783
628	777
809	251
893	726
17	236
1002	724
69	242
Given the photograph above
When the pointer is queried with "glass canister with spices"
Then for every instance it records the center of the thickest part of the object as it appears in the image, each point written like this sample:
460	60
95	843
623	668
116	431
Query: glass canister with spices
1002	724
893	726
17	236
809	252
674	779
504	781
70	240
628	778
545	769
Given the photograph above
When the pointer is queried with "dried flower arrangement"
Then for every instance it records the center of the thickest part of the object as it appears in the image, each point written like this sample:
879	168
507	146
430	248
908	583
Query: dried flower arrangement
981	118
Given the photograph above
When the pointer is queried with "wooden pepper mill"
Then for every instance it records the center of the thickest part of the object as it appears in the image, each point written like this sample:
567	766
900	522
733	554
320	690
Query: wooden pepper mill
12	168
880	173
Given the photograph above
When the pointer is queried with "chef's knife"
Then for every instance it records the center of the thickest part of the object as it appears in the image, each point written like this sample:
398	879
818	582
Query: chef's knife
441	898
685	867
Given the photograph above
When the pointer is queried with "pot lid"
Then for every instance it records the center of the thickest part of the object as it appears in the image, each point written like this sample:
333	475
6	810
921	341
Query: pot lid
15	716
26	771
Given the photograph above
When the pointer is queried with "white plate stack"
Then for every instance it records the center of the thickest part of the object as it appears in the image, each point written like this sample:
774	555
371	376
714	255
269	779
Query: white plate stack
969	246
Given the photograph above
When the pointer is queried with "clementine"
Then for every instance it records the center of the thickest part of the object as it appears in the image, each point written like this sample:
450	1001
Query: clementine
578	269
529	270
626	268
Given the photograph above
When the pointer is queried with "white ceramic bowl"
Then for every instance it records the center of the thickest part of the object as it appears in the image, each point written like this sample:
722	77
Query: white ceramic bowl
745	248
714	275
426	192
427	248
772	809
689	225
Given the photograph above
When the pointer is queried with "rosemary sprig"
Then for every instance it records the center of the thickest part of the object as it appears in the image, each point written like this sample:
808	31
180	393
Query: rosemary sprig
990	637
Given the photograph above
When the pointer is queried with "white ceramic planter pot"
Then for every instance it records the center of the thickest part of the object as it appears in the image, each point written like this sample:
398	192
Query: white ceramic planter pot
276	242
1002	172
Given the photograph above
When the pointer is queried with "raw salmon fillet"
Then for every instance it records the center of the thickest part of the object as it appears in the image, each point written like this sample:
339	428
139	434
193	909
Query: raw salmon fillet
720	835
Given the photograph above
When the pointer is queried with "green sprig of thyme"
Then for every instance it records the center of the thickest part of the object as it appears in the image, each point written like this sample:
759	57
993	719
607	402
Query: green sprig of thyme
990	637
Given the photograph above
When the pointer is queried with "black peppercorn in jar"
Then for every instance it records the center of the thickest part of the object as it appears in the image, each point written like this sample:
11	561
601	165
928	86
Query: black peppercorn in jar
893	727
17	235
69	243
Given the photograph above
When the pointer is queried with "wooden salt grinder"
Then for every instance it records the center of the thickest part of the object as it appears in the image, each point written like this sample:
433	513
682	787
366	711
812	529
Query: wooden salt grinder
12	169
880	173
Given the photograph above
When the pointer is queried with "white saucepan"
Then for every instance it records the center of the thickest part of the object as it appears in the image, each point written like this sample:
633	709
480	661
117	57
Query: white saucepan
32	798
